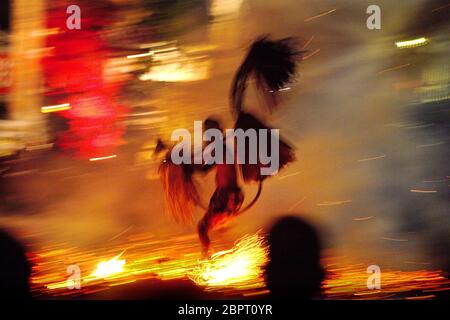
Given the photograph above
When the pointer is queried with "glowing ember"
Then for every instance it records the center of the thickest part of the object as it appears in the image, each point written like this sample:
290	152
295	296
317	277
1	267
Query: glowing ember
236	267
178	72
56	108
108	268
232	272
412	43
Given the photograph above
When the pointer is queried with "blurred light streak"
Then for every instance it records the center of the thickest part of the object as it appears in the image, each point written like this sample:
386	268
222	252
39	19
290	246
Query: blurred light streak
45	32
373	158
422	191
166	51
225	7
311	54
430	144
334	203
421	126
431	296
412	43
121	233
394	68
362	218
297	204
282	89
394	239
20	173
177	72
434	181
103	158
319	15
55	108
289	175
140	55
308	42
156	44
349	282
40	147
441	7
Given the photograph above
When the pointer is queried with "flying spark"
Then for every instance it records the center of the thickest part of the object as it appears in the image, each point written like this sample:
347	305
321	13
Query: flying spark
234	267
412	43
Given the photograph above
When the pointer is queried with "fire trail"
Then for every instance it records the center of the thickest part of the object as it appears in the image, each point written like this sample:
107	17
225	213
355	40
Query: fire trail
235	269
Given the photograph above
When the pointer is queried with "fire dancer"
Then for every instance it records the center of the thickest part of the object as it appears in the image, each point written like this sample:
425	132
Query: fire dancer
272	64
227	198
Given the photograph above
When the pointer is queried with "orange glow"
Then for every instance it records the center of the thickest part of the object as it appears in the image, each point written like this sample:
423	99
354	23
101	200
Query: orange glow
240	266
349	282
109	268
230	271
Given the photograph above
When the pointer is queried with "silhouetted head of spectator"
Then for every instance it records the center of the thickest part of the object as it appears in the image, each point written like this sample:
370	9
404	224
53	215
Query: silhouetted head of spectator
294	270
212	123
15	269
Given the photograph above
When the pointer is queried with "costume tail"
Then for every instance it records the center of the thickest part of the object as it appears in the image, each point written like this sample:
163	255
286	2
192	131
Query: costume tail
272	63
181	195
255	199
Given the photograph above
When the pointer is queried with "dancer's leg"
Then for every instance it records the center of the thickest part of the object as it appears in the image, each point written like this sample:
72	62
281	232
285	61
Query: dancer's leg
203	228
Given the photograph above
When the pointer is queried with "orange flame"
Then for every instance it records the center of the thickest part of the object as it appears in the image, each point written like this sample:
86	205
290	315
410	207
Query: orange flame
238	267
109	268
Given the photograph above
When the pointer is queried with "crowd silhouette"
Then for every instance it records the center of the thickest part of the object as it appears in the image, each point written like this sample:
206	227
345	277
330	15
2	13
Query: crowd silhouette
15	269
294	270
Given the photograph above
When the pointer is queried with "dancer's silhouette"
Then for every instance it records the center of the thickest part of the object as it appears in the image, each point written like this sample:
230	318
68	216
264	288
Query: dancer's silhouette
272	64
